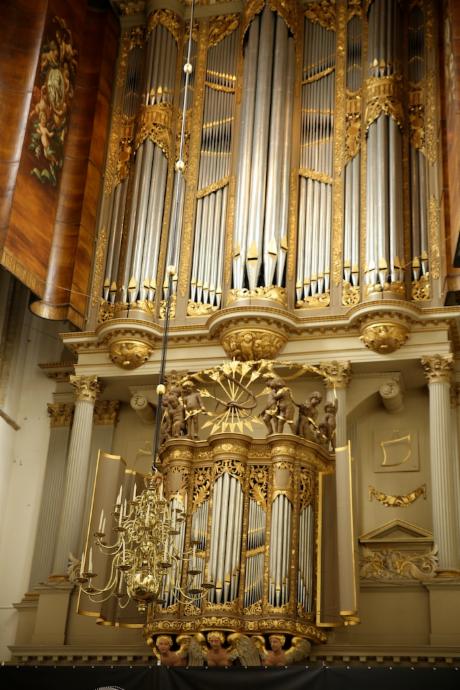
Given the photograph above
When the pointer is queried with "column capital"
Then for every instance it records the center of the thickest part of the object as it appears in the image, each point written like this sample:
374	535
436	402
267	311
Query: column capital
60	414
86	387
106	412
438	368
336	374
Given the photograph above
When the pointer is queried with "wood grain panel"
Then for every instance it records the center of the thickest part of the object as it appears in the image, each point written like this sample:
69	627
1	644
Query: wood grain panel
21	28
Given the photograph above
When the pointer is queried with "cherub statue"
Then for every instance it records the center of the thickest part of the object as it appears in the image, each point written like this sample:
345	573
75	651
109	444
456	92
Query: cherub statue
164	653
193	405
216	653
329	423
277	655
173	424
308	414
280	407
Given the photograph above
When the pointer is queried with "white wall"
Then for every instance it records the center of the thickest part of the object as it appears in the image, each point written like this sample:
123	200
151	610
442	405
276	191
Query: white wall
26	392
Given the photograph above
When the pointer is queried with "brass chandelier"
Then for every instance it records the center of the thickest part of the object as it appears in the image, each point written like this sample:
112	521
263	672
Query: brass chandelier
147	544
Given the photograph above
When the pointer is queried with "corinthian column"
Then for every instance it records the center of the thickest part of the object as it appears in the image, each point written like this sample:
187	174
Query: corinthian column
445	529
70	527
337	377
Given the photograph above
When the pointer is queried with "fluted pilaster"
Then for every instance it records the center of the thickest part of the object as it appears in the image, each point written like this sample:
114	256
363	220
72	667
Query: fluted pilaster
445	530
70	527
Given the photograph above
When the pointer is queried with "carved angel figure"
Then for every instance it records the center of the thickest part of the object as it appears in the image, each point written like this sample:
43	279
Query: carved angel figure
328	425
277	655
193	405
308	415
280	407
164	653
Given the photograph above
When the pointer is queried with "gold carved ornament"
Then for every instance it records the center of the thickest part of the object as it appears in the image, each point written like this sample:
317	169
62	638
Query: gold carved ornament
170	20
352	127
272	292
85	387
421	289
397	501
155	123
388	564
322	13
438	368
384	337
99	262
258	484
201	486
200	309
253	344
220	27
339	145
130	354
60	414
350	294
384	96
172	308
434	210
317	301
106	412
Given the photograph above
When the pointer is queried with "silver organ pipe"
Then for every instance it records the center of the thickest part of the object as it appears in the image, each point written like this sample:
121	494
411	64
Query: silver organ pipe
172	581
419	184
213	176
129	103
384	157
225	552
262	186
316	165
280	539
351	241
178	193
143	219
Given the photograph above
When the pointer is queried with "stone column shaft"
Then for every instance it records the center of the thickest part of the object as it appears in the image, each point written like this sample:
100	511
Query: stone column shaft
337	376
70	527
445	529
53	489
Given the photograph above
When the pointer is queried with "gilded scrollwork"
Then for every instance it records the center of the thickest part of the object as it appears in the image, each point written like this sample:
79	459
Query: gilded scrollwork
251	9
389	564
384	96
350	294
170	20
315	175
306	489
323	13
258	484
397	501
421	289
434	210
155	123
315	301
201	486
353	127
272	292
229	465
222	26
200	309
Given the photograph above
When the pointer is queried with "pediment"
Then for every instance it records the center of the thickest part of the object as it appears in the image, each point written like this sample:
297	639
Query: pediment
397	531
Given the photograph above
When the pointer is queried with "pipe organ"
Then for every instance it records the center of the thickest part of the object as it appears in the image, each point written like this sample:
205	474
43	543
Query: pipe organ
310	152
254	520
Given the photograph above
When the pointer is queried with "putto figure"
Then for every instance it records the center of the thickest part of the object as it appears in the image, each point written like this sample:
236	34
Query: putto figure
280	407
